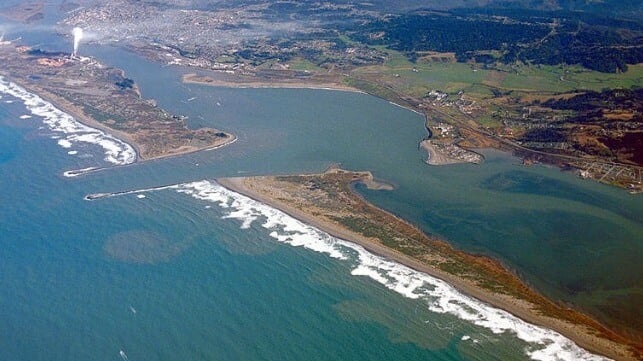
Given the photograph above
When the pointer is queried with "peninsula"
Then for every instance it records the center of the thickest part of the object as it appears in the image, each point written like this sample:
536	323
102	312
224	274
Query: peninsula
103	97
328	202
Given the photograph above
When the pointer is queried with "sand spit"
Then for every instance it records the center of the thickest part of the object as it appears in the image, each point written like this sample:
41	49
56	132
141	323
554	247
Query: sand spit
566	335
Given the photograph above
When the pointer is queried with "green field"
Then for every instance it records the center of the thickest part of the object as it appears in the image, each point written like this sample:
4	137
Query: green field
303	64
565	78
419	78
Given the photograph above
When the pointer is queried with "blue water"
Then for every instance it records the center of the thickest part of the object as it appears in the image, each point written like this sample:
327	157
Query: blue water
207	290
163	277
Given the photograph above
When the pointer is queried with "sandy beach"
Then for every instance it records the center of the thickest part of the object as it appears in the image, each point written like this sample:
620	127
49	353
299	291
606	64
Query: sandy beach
581	335
78	114
276	84
434	157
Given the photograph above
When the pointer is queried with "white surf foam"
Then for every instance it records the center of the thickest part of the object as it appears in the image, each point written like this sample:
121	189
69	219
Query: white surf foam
440	297
283	227
69	130
65	143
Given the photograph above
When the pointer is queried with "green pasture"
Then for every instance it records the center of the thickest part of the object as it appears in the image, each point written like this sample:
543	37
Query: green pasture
421	77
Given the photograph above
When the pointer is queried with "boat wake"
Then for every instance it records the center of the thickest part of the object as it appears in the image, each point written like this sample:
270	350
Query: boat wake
123	355
95	196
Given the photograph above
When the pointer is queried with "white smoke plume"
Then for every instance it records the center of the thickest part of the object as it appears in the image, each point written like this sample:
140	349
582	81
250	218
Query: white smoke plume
78	35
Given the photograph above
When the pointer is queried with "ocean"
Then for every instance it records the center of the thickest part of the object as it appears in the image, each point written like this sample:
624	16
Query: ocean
192	271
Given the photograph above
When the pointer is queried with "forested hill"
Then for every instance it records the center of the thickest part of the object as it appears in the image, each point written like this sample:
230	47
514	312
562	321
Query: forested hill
598	42
631	8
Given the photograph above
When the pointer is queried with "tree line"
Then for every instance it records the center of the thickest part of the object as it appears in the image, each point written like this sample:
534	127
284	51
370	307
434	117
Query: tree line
507	36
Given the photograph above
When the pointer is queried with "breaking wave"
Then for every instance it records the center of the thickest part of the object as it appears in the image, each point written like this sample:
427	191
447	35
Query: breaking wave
440	297
71	132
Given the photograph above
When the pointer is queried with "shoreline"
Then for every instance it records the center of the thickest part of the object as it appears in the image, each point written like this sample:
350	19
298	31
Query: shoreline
255	82
193	78
82	172
78	115
82	118
579	334
434	157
